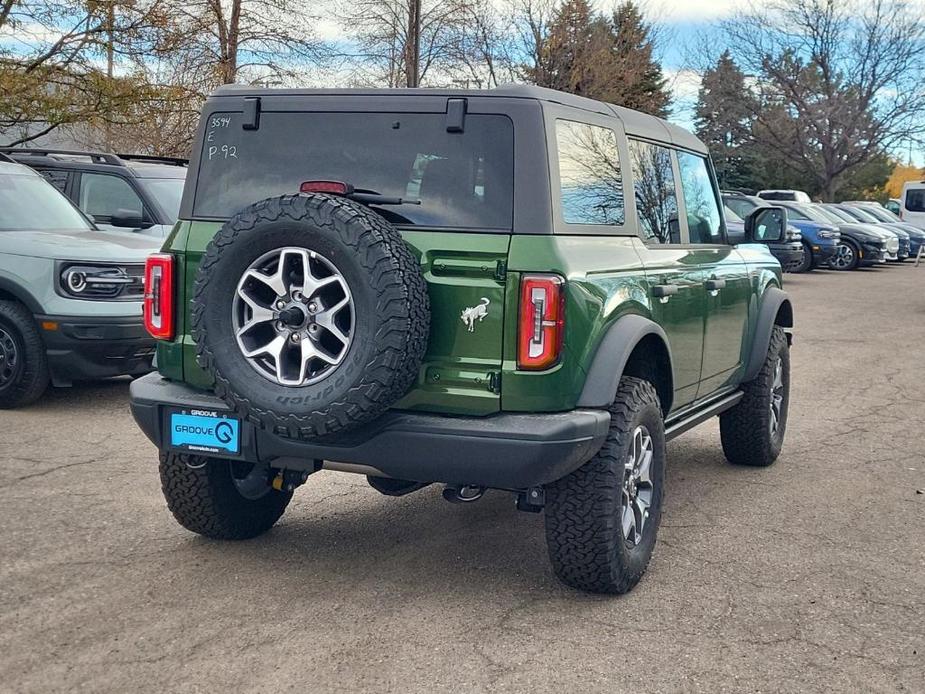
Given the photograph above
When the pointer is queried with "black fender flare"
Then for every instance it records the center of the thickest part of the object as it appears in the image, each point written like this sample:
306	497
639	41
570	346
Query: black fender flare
7	286
611	357
772	301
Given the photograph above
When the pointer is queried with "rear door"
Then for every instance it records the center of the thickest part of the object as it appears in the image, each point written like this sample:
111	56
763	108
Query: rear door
674	270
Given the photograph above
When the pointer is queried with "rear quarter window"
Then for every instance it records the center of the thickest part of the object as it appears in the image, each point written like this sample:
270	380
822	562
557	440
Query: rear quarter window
461	179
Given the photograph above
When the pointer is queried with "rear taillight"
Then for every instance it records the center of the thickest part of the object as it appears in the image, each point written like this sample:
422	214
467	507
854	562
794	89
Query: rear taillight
330	187
541	325
158	307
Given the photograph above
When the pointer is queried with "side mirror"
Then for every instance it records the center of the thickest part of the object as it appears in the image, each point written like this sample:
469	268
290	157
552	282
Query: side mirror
766	225
129	219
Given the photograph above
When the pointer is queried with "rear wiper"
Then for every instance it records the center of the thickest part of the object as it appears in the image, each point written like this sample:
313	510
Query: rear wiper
361	195
371	197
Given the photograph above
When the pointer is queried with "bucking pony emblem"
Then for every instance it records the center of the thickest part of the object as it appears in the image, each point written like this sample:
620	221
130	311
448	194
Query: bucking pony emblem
475	313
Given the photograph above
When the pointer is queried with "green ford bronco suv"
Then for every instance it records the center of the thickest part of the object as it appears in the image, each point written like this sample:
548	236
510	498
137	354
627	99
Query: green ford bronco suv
514	289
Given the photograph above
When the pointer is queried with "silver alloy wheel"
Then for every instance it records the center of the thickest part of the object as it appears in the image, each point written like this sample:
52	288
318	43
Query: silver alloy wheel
777	396
637	486
844	256
293	316
9	357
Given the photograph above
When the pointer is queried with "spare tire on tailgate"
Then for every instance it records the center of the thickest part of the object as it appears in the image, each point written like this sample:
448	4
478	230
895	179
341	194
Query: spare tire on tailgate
311	314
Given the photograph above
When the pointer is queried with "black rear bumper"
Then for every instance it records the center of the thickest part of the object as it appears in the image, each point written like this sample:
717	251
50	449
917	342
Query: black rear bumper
505	451
91	347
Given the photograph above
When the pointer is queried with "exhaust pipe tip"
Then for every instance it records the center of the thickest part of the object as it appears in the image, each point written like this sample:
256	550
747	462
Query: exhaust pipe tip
465	494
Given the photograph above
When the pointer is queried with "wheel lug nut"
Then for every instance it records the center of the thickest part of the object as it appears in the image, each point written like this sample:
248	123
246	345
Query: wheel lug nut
313	307
295	337
281	304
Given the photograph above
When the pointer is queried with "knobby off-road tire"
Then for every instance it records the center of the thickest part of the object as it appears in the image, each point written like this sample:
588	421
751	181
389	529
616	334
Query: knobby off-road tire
746	430
23	362
585	510
390	314
202	495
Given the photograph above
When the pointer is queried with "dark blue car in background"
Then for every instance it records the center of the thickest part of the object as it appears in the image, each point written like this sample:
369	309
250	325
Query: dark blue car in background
820	240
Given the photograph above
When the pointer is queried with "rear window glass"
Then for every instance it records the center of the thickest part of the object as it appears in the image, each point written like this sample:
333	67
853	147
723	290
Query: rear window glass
461	179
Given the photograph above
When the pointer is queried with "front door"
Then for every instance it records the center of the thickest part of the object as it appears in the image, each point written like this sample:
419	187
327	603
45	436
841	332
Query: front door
725	276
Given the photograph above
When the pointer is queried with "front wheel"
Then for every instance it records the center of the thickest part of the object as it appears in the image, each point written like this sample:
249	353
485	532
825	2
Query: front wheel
23	364
846	257
806	262
220	499
753	431
602	519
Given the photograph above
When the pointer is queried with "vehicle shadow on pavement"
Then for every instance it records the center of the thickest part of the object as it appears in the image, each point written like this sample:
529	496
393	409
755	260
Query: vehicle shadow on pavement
338	528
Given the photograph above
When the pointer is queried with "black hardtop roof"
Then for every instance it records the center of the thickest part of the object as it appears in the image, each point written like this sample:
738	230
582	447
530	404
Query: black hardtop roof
635	123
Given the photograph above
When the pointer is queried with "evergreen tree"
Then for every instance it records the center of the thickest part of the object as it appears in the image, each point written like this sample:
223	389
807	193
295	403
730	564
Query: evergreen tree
723	119
605	58
636	80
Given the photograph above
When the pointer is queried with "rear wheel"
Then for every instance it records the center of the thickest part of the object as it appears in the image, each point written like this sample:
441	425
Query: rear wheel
602	519
847	256
220	499
23	364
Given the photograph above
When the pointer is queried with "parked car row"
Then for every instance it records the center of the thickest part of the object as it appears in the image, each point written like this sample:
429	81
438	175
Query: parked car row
842	236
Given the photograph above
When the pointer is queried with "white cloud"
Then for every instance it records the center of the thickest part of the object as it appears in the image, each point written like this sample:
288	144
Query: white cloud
677	11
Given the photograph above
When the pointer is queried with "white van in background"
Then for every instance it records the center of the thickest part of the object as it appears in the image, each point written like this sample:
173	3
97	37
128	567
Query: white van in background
912	204
790	195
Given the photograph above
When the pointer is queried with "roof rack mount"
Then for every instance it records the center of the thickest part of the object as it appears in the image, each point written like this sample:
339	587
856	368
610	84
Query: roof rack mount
96	157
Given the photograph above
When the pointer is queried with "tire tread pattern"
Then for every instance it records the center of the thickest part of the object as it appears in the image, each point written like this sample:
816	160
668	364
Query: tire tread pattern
204	499
583	509
403	309
745	428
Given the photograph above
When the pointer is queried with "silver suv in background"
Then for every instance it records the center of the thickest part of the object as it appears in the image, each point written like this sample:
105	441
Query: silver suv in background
70	294
120	192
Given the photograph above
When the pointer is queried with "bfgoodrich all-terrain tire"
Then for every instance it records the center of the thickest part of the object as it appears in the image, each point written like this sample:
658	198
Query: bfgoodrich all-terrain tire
602	519
23	364
311	314
221	499
753	431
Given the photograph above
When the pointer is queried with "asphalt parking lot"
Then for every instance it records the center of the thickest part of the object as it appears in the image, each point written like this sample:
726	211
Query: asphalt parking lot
807	576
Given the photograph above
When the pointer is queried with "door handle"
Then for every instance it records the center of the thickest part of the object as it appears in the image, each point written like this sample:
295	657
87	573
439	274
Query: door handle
663	292
714	285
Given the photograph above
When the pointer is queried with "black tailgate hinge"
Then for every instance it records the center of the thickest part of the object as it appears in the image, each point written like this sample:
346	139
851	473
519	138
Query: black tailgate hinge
501	271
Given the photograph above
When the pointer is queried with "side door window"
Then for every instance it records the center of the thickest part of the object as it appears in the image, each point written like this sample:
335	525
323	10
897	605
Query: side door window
704	219
101	195
590	176
654	190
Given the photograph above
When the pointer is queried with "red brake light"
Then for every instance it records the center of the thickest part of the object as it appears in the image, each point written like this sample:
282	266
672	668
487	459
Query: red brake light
158	305
542	321
331	187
